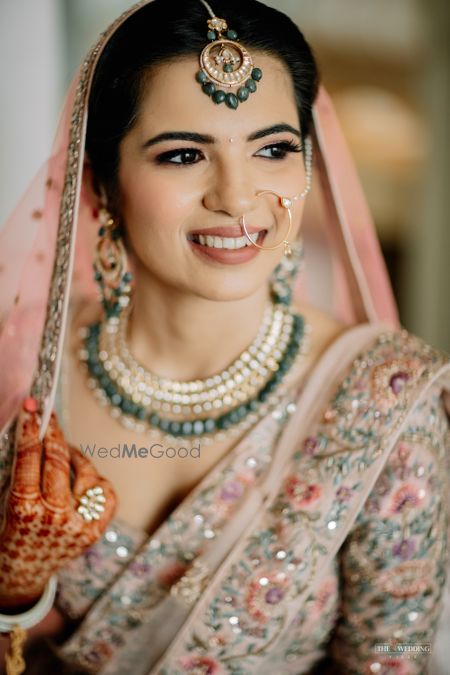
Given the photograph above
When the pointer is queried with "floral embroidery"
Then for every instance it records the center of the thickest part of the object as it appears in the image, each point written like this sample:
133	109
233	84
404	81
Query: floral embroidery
300	493
232	490
405	580
407	497
310	445
391	379
343	494
392	562
263	593
404	549
386	666
198	665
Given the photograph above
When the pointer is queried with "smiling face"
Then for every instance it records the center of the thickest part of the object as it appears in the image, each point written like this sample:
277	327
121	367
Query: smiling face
189	166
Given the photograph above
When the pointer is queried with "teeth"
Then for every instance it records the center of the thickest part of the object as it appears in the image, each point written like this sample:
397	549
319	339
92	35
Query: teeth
224	242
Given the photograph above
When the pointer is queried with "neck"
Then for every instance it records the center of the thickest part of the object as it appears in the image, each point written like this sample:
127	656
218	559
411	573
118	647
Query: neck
184	337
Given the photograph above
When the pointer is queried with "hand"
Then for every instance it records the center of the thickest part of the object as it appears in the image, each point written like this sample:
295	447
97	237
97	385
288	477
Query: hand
42	528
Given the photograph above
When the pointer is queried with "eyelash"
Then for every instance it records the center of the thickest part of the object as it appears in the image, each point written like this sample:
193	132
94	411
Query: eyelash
285	146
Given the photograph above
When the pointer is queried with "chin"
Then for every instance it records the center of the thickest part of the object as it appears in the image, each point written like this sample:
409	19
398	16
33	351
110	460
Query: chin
231	294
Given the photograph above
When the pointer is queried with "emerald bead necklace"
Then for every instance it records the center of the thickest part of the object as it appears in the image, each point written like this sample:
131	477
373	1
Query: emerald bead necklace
132	412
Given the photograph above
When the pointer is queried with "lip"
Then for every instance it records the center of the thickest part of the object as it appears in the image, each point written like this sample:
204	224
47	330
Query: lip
228	256
227	231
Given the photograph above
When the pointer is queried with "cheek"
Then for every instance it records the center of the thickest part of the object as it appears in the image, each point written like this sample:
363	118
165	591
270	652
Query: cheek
142	199
151	205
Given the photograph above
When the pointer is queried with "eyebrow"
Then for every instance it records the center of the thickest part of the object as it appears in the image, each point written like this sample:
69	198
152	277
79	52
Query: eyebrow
206	139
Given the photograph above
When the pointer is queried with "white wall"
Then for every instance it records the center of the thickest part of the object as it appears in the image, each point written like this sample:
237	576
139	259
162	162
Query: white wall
30	77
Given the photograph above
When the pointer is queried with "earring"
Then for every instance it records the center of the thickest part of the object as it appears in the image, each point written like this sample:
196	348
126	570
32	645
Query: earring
110	267
286	273
286	203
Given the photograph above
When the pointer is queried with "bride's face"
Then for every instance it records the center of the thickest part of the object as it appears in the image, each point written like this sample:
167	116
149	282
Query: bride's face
189	164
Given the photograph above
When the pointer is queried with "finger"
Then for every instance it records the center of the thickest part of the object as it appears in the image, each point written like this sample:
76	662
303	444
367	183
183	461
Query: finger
85	472
56	472
26	473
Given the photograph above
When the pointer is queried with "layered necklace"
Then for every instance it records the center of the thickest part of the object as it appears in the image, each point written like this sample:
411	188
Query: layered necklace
213	408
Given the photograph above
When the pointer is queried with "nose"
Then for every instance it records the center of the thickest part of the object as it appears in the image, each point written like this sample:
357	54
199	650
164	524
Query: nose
230	190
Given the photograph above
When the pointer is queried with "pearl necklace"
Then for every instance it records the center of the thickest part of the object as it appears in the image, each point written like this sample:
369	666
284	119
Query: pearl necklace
237	396
235	385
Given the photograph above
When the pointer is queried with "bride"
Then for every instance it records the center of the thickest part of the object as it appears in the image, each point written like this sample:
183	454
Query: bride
203	471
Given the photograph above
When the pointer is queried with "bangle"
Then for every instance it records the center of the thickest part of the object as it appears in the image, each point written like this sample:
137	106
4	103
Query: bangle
34	615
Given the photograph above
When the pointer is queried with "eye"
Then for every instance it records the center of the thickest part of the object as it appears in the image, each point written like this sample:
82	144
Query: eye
183	156
280	150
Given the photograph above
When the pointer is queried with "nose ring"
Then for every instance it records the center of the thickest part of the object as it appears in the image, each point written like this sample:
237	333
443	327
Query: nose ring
286	203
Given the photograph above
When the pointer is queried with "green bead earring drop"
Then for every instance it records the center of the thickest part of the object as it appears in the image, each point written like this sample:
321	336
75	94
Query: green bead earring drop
110	266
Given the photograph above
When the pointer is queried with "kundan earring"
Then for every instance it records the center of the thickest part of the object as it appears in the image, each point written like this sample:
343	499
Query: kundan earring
111	267
285	275
286	203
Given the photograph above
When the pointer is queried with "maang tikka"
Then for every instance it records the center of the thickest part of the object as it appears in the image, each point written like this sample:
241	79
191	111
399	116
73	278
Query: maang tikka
226	64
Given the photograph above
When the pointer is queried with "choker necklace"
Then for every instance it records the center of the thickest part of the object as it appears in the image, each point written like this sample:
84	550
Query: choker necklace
212	408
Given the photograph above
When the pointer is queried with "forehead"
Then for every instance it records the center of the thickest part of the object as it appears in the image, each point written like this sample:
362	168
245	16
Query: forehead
172	98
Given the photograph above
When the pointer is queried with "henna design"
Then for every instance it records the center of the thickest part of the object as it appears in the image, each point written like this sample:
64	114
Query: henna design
42	529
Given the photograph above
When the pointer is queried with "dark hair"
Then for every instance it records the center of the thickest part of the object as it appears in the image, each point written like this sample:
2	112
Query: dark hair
165	30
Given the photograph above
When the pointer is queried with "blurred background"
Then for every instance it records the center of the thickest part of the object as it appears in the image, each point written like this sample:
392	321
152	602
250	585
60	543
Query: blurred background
387	67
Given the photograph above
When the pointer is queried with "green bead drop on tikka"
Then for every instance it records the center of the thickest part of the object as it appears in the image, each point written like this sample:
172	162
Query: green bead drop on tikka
195	427
257	74
211	35
201	77
251	85
218	96
232	101
232	35
243	93
228	68
209	88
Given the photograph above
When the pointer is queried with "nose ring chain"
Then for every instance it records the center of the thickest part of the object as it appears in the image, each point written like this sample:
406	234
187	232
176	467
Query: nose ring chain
286	203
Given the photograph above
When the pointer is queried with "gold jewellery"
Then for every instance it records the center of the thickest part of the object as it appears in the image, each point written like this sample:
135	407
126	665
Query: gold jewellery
111	266
233	386
226	65
285	203
210	408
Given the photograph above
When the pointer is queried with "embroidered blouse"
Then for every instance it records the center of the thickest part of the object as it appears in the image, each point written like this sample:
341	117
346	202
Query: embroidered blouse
291	597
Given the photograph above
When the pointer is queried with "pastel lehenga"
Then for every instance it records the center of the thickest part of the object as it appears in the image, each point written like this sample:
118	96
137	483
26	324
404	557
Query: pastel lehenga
320	542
